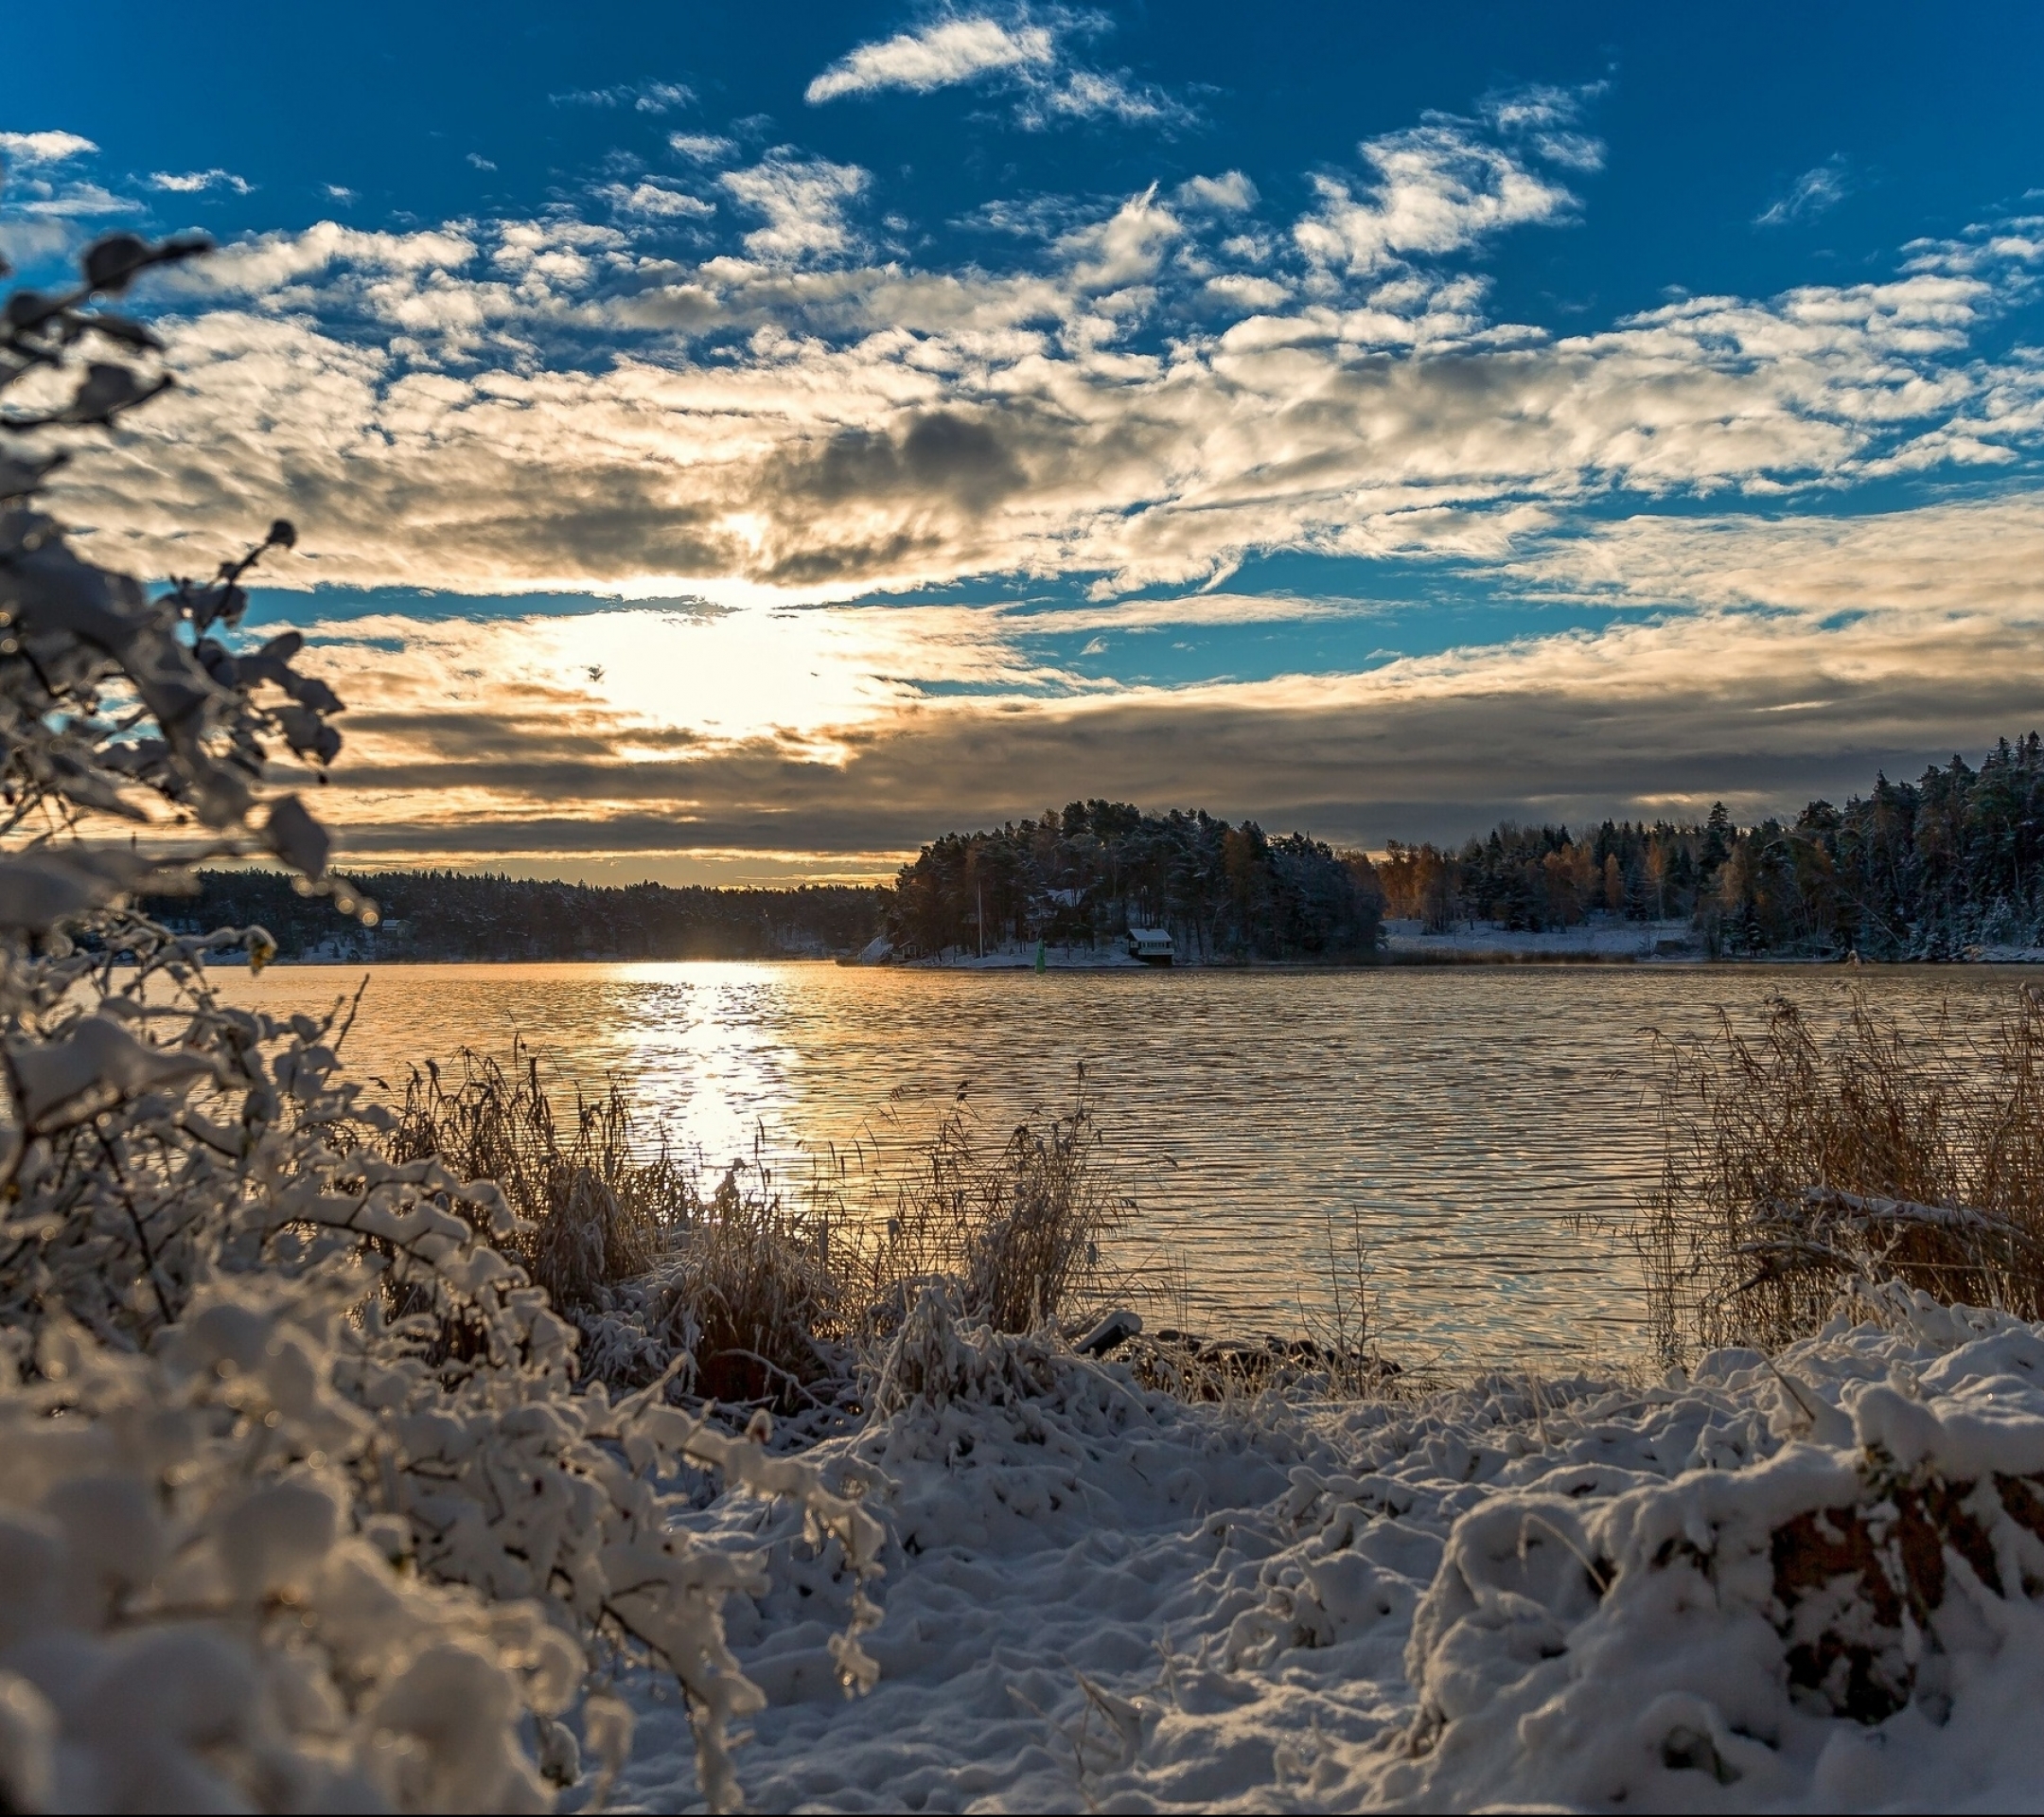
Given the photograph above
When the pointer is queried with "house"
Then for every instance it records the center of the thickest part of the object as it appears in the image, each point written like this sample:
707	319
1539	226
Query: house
1153	946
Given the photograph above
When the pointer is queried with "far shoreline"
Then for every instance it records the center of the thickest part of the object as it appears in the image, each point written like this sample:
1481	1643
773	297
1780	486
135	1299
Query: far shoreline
1379	962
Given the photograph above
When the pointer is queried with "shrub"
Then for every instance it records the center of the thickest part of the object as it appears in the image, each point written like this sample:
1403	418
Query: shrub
266	1384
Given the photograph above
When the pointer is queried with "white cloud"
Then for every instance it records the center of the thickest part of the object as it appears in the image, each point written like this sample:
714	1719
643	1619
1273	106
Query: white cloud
939	56
191	183
700	147
643	97
1092	95
1022	55
1544	119
339	192
1438	189
1242	291
479	162
74	201
1229	193
1815	192
29	149
803	201
656	202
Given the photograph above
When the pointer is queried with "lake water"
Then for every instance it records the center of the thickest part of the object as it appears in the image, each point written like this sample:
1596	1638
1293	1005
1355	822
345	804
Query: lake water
1482	1126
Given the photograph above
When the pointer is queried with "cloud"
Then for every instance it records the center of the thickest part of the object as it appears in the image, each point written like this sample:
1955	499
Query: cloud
804	201
1229	193
339	192
700	147
643	97
434	417
1545	118
765	732
656	202
479	162
72	201
191	183
1025	54
1245	293
939	56
1093	95
1438	189
28	149
1815	192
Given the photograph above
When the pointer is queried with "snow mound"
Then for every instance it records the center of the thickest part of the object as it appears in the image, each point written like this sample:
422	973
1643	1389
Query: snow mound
1811	1582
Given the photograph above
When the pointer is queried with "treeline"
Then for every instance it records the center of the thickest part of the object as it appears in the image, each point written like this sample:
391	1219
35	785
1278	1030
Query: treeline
1083	875
458	915
1922	869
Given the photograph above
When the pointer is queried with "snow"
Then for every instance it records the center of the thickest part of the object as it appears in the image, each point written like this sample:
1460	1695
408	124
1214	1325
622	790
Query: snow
1010	957
1588	1592
1601	937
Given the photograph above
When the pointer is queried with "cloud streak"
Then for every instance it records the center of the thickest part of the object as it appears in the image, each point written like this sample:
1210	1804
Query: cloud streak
1815	192
1027	54
940	55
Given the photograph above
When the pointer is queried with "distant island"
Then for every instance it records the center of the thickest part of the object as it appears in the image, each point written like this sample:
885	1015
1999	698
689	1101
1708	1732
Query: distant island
1946	868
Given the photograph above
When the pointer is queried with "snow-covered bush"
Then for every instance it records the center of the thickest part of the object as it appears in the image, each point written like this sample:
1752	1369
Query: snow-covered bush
305	1507
1856	1620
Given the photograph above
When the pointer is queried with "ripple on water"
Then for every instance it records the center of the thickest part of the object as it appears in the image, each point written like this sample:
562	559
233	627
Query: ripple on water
1485	1127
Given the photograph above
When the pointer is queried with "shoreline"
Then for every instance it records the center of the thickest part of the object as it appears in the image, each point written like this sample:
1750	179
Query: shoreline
1452	961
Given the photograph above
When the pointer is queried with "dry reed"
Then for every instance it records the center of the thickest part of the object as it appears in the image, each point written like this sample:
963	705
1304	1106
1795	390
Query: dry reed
765	1299
1796	1162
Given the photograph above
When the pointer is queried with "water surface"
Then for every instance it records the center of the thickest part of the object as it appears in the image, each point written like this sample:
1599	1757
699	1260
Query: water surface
1482	1127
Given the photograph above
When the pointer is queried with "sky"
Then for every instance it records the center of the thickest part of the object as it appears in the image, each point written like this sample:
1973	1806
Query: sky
735	444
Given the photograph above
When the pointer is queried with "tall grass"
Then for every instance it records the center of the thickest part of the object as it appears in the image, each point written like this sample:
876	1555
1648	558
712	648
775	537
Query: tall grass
763	1295
1796	1161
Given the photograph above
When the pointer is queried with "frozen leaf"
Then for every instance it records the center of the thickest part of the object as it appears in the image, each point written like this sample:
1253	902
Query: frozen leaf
30	309
129	333
38	889
296	838
106	391
18	477
309	734
28	1745
93	1068
112	263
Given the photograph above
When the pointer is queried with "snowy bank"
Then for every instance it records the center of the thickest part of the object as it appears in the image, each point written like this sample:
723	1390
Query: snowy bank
1601	937
1798	1583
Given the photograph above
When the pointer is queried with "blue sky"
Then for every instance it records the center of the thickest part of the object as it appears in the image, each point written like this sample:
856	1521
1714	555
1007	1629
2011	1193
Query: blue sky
737	448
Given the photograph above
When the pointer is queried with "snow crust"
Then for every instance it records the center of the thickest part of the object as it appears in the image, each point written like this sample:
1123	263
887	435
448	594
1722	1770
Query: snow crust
1711	1594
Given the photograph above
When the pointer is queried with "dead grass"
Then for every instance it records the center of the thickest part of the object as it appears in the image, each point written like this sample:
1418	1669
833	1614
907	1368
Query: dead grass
1796	1161
1014	1225
770	1298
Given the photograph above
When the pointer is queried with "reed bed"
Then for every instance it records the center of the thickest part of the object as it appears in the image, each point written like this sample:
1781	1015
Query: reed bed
756	1294
1797	1162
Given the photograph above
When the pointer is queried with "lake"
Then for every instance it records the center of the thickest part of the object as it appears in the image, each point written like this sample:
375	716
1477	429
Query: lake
1481	1126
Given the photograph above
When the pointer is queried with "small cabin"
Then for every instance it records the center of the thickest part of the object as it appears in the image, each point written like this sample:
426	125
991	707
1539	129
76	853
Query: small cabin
1153	946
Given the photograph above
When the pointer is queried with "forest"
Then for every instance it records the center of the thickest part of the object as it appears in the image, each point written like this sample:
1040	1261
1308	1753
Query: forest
461	915
1081	877
1923	869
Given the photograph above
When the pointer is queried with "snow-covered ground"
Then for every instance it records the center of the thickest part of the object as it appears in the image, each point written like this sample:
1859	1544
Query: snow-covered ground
1107	957
1599	938
1584	1593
